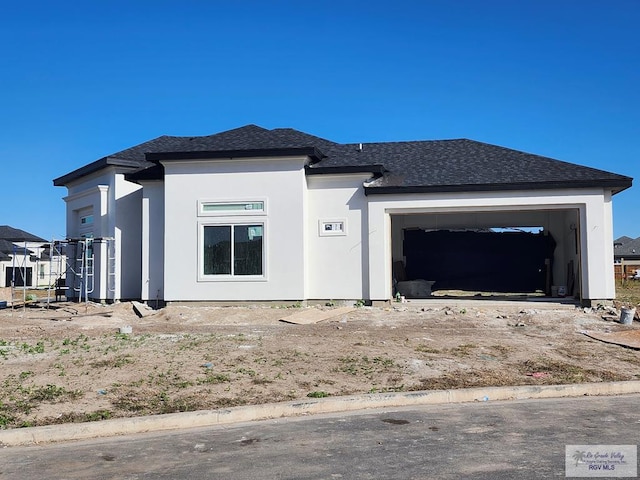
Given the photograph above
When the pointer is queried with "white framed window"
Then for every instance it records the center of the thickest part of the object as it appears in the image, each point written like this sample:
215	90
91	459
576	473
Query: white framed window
231	208
232	251
332	227
86	220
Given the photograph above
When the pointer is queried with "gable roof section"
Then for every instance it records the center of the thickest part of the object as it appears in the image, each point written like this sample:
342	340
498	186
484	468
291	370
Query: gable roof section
397	167
467	165
622	240
630	249
250	139
243	142
16	235
8	248
131	158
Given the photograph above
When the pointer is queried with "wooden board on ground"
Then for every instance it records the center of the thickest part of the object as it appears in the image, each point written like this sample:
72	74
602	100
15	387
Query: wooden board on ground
627	338
315	315
20	304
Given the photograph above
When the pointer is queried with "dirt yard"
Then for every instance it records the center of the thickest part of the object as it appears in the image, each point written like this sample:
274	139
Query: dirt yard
72	364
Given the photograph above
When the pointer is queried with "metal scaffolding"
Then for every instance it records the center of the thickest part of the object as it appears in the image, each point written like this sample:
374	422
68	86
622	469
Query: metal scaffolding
72	268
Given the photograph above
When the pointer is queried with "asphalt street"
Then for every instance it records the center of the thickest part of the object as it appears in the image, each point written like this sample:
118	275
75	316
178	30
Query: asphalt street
484	440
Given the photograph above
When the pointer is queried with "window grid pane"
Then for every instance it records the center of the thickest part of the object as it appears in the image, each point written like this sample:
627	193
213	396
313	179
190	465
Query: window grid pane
217	250
247	250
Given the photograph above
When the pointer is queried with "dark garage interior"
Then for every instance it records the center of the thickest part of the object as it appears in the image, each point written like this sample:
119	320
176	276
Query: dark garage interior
482	261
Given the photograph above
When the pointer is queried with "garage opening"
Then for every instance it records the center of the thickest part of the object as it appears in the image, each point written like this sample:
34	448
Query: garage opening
483	254
483	261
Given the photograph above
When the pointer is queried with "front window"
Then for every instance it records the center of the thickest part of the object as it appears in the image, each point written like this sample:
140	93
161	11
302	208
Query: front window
233	250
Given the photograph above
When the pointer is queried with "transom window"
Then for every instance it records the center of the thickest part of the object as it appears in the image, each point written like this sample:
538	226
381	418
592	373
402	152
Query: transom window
236	250
252	207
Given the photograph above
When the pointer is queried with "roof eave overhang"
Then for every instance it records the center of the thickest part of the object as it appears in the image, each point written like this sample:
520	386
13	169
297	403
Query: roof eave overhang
154	173
313	153
94	167
616	186
630	256
352	169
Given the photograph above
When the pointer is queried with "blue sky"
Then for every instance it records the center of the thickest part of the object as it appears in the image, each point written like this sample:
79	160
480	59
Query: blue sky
81	80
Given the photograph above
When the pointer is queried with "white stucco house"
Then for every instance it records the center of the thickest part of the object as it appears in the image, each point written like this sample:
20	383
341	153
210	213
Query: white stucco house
26	260
253	214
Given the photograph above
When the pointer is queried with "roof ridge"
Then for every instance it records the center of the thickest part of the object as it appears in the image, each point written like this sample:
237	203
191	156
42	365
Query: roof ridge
250	126
305	134
396	142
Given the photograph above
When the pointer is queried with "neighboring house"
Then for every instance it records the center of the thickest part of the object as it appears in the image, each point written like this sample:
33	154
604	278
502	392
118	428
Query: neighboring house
258	214
24	259
626	257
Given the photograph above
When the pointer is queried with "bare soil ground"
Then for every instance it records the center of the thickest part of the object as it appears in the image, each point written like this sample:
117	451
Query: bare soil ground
72	364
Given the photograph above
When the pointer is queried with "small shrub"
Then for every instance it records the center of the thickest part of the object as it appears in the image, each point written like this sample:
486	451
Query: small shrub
214	378
98	415
37	348
52	393
317	394
425	349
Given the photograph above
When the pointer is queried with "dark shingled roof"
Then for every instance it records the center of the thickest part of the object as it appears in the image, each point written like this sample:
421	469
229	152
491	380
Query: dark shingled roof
419	166
622	240
629	249
461	165
8	248
16	235
131	159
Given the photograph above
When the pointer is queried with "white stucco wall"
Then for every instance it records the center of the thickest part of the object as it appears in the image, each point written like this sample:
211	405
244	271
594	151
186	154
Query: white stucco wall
280	183
153	241
128	234
595	226
337	264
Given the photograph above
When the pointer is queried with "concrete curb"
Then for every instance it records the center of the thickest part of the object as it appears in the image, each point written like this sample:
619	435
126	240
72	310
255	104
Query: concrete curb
205	418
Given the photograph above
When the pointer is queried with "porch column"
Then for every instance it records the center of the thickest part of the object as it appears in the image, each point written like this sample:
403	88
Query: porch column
596	243
379	252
